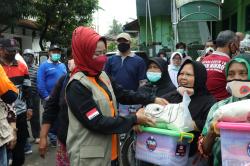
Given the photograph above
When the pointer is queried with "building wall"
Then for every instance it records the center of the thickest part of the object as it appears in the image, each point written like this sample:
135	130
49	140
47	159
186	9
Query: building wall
24	36
162	32
233	16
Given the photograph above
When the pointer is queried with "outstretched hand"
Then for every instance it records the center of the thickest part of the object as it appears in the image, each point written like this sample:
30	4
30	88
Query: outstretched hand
160	101
143	119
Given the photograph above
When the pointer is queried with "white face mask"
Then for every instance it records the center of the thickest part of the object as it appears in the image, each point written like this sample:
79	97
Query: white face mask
209	49
238	88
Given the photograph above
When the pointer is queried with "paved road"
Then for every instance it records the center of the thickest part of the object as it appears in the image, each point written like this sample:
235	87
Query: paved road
35	160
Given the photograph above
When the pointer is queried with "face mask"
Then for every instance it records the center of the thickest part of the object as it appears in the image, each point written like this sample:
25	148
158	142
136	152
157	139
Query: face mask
123	47
209	49
55	57
153	76
180	50
176	67
9	57
99	62
238	88
183	52
28	60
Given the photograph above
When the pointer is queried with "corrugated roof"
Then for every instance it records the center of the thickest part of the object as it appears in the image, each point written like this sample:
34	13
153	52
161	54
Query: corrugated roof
28	24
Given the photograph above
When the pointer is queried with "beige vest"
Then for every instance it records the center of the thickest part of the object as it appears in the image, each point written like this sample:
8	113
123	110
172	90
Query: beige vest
6	131
86	147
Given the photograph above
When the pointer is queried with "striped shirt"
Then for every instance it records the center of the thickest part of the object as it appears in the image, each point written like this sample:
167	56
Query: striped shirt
19	75
33	77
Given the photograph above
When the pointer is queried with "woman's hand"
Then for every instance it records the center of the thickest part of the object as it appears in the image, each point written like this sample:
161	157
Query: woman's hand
137	128
143	119
160	101
181	90
200	147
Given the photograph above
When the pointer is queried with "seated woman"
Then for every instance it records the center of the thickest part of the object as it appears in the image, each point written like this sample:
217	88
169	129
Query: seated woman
192	78
236	70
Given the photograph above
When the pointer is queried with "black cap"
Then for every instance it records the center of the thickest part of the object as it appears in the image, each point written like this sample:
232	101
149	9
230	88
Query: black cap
54	47
9	44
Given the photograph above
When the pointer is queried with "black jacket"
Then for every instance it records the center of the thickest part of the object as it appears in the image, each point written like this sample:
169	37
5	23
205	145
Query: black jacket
56	107
201	101
80	101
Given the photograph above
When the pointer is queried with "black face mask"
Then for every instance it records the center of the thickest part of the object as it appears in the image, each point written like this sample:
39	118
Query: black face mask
123	47
28	60
9	57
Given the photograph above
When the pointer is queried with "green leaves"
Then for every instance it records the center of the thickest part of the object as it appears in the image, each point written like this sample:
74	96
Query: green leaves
57	18
62	17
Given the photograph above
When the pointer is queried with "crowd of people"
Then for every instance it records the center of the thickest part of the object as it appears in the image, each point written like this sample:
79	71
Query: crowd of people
87	104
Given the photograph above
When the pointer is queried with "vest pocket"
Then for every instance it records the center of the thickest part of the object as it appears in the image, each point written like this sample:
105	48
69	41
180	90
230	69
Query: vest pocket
5	129
91	152
92	156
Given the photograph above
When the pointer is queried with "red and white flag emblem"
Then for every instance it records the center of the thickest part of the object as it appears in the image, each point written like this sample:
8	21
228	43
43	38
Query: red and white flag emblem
92	113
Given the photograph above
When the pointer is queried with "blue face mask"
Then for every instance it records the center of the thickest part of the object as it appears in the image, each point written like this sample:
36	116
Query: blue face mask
176	67
181	50
55	57
153	76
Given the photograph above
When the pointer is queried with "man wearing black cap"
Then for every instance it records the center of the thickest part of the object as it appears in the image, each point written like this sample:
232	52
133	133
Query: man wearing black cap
48	74
126	68
19	75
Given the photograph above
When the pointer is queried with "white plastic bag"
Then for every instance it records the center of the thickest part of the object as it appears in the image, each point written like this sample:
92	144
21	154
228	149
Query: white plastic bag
234	112
187	123
176	116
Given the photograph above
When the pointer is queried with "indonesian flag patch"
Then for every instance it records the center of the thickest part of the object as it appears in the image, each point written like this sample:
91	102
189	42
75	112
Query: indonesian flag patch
92	113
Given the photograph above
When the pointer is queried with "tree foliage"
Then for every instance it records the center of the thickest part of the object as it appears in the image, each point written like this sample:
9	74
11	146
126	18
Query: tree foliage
56	18
115	28
60	17
13	10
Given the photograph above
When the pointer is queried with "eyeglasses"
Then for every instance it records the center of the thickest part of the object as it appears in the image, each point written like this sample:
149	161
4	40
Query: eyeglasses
100	52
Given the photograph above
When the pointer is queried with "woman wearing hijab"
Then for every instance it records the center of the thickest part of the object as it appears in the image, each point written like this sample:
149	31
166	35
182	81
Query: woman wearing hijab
174	66
192	78
159	82
93	121
237	73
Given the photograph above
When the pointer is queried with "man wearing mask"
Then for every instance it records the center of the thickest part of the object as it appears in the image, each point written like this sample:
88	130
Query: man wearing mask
126	68
227	45
182	48
208	49
48	74
19	75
